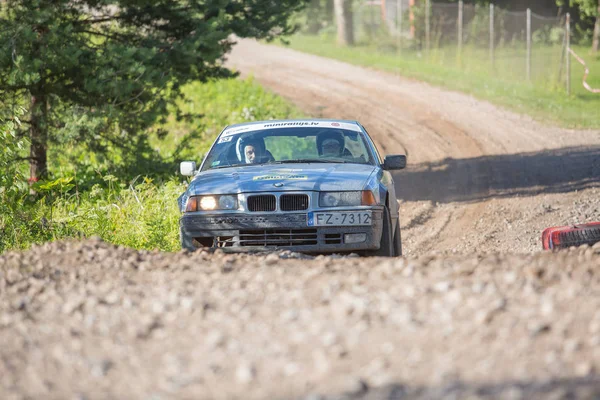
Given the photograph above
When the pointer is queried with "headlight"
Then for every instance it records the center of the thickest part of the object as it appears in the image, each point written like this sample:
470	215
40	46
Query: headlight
347	199
210	203
227	202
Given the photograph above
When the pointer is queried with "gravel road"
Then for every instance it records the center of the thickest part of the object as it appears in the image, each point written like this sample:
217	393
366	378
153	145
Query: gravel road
475	310
91	321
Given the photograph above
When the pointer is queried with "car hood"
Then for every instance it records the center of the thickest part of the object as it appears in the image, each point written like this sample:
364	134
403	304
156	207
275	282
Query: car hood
282	177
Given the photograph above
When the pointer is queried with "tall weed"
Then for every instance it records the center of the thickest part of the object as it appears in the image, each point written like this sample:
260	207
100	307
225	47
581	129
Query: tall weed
13	184
141	215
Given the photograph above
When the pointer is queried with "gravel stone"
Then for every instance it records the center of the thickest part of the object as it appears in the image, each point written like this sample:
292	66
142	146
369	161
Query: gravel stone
245	373
272	259
356	386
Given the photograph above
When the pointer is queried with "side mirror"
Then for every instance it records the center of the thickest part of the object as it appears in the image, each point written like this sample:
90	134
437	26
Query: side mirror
392	163
187	168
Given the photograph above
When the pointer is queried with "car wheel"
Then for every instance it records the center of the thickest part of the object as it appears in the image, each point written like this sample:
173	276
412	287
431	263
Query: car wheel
386	246
397	239
186	242
567	236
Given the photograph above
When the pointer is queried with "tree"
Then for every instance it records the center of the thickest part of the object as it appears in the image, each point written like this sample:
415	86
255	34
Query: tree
591	9
344	23
596	36
318	14
118	62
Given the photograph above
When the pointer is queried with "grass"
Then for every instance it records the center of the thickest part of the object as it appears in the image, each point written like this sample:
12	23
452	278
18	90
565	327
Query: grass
544	98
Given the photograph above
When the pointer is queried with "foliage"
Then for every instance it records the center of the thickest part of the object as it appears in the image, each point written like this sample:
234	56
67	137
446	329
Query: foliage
584	14
116	65
587	7
13	185
141	215
316	17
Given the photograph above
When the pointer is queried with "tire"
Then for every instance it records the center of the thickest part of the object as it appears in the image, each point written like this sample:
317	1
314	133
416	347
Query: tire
186	242
561	237
386	245
397	239
589	236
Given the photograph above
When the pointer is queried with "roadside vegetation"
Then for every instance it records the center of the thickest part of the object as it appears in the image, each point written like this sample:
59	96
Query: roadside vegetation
420	43
123	201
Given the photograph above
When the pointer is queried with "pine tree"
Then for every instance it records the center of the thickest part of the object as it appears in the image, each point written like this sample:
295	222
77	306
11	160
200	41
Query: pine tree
118	61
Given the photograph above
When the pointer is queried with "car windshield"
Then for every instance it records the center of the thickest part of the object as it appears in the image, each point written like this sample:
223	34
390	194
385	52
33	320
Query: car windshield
289	145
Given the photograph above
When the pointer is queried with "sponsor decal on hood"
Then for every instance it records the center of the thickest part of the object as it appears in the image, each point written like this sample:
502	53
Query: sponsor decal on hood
279	177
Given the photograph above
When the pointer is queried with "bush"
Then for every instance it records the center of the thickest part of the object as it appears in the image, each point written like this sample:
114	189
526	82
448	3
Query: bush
13	184
142	215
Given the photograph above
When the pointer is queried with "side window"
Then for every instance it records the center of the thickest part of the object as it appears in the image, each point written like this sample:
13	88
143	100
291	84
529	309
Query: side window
368	138
357	146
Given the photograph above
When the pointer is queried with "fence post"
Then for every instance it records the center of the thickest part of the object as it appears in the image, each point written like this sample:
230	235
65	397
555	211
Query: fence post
568	53
529	44
460	27
372	18
492	36
427	26
399	24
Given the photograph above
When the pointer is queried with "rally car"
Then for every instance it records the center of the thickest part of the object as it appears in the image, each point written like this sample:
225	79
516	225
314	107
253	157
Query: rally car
312	186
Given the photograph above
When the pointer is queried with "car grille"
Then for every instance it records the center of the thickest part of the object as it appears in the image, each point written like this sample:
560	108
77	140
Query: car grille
293	202
335	238
278	237
265	202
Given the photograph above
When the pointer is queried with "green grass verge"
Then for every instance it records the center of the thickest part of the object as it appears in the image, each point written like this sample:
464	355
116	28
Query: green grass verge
544	98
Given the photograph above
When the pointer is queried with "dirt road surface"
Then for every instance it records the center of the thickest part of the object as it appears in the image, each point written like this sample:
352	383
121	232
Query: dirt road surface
474	311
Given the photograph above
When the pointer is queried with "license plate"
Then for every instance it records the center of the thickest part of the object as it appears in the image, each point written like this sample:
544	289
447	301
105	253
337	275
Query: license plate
362	218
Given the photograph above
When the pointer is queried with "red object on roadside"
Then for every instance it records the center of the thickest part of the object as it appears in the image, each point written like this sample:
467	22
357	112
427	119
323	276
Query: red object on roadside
561	237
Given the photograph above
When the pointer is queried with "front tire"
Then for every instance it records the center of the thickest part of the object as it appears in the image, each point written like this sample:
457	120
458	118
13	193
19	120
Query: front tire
386	246
397	239
186	241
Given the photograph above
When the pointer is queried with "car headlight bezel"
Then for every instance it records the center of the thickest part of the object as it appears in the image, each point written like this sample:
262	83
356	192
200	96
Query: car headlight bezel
353	198
225	202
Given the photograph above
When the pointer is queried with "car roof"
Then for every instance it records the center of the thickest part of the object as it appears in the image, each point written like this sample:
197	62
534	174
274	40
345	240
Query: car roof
269	121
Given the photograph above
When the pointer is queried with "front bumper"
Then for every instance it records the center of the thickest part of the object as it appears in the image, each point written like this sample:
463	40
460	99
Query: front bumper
240	232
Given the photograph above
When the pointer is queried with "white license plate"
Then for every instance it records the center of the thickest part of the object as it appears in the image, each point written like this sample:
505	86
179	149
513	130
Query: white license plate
342	218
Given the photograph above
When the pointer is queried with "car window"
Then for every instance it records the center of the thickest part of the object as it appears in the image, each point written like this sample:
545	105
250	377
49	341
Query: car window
289	145
377	154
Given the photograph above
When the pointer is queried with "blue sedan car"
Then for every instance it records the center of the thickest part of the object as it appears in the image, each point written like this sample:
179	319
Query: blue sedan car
312	186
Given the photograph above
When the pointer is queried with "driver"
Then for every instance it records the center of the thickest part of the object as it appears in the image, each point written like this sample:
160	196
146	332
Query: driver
331	143
252	151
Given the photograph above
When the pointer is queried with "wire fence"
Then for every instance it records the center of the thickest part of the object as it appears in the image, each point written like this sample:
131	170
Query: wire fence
520	46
